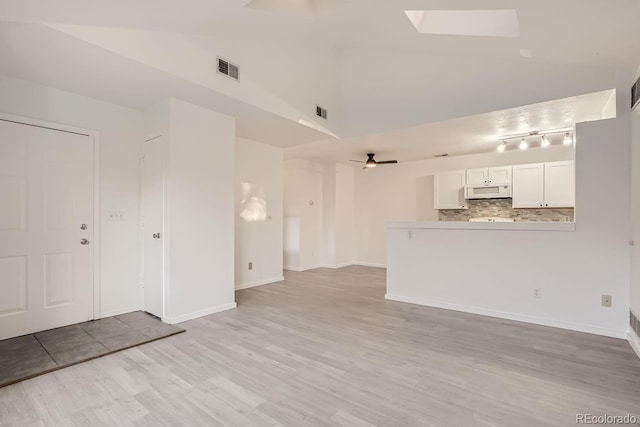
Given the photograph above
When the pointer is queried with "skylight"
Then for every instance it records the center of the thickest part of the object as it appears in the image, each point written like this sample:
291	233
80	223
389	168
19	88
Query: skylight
491	23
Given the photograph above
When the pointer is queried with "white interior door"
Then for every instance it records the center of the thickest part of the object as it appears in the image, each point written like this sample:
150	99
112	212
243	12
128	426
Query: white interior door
153	226
46	195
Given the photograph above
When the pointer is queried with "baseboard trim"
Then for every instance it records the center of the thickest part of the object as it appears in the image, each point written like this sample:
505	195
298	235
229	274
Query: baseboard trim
259	283
512	316
370	264
336	266
118	312
310	267
199	313
634	341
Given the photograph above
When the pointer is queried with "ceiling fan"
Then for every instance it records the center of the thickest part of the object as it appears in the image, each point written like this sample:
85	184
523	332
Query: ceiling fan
371	163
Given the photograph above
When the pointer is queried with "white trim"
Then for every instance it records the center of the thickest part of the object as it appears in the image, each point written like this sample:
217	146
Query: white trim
199	313
336	266
259	283
512	316
119	312
492	226
95	238
634	341
370	264
309	267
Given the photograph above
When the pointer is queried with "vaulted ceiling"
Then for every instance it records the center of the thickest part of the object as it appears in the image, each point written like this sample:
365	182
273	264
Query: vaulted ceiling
363	60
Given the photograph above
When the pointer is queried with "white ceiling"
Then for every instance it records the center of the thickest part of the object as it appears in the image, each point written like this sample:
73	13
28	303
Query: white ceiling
468	135
600	34
595	32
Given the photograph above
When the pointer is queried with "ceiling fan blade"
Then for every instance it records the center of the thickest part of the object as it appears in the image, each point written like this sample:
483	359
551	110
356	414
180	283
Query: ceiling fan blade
357	161
387	162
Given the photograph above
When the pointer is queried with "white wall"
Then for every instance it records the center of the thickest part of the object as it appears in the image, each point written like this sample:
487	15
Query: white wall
201	205
119	178
303	214
635	212
344	215
404	192
495	272
319	234
259	209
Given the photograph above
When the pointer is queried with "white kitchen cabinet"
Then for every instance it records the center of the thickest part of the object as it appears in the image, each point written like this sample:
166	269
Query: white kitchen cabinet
449	190
487	176
544	185
528	186
559	185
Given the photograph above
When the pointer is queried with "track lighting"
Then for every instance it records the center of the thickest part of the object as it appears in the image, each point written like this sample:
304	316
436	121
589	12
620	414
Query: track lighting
544	138
544	142
567	139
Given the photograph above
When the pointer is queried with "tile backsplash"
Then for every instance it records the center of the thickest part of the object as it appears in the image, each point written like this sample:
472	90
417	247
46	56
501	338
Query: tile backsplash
501	208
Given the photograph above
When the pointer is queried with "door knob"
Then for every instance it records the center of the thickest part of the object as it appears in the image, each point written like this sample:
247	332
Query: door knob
84	242
156	235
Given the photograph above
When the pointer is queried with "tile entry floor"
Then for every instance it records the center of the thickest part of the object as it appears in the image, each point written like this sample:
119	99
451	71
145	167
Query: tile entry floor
34	354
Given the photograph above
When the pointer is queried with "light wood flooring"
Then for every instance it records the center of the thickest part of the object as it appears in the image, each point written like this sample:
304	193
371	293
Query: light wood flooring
323	348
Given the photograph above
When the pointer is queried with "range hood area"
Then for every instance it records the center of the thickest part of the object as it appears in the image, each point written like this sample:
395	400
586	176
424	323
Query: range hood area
487	191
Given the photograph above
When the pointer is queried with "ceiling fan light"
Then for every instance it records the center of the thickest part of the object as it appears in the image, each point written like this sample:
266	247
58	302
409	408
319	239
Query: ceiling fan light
523	144
544	142
370	164
567	139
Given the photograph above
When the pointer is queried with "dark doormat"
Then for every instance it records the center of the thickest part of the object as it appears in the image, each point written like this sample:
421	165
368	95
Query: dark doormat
35	354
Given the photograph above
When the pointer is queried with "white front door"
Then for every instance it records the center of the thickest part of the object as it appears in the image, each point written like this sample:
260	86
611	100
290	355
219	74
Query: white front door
153	225
46	210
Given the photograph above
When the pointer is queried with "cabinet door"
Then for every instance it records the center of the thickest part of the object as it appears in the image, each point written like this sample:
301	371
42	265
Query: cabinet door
528	185
559	184
477	176
500	175
449	190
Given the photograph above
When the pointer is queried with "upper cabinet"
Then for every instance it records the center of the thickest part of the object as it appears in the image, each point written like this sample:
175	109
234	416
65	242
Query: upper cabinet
449	190
544	185
489	176
559	185
528	186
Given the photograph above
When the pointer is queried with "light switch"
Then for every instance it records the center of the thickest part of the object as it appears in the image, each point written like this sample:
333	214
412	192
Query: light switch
115	216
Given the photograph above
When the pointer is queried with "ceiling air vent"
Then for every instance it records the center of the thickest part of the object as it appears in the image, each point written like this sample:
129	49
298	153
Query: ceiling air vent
635	94
321	112
228	69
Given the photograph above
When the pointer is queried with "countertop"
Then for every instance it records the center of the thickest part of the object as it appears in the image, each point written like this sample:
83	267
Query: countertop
461	225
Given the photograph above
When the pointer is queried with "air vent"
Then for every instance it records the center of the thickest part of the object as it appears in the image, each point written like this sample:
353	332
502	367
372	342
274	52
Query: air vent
321	112
228	69
635	94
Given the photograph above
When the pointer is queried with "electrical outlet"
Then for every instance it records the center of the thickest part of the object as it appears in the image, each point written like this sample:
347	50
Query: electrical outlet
606	300
409	235
537	293
250	266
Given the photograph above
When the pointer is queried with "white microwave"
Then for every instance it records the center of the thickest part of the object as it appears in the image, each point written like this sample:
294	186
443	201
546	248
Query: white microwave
492	191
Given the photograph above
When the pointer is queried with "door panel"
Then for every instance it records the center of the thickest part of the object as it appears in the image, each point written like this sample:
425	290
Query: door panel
13	276
528	185
559	185
500	175
153	228
46	188
477	176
